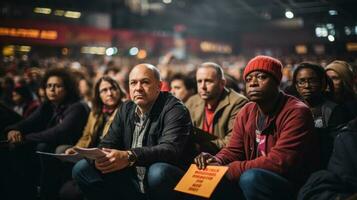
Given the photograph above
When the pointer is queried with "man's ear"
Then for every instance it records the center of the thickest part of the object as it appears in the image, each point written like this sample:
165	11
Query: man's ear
160	85
223	83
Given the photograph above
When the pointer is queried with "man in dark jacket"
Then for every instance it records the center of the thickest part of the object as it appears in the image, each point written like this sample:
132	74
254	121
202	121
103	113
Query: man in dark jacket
272	149
144	143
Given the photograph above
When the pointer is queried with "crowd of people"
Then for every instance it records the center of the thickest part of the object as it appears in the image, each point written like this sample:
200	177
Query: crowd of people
284	131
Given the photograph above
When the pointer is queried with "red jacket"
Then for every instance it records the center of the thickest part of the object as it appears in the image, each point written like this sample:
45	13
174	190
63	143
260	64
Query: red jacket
291	146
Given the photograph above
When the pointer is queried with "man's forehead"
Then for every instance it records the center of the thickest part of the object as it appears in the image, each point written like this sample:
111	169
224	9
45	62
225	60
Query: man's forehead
206	71
258	72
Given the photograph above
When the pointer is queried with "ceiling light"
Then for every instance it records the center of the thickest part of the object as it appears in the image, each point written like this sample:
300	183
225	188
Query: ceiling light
333	12
289	14
331	38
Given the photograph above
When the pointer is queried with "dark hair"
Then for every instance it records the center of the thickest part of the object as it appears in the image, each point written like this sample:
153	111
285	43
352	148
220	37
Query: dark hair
320	72
232	83
25	92
69	83
188	81
97	102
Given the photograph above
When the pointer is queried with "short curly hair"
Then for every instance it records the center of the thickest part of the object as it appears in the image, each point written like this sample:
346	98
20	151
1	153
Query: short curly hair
69	83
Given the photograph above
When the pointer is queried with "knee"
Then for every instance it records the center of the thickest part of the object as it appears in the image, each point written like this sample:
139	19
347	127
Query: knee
162	173
78	169
43	147
62	148
156	173
250	178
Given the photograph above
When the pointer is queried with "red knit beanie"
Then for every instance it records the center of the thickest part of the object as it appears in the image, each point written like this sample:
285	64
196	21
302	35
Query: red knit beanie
266	64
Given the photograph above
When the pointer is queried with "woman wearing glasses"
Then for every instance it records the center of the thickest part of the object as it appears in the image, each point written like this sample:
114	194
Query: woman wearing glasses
59	120
314	88
107	98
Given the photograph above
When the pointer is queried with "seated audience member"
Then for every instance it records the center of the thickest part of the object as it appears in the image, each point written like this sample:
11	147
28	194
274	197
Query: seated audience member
7	117
273	148
59	120
107	99
342	76
144	145
24	101
339	180
311	83
214	108
182	87
85	90
33	78
7	86
232	83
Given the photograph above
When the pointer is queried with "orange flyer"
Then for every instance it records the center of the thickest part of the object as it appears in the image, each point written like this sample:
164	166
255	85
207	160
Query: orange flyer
201	182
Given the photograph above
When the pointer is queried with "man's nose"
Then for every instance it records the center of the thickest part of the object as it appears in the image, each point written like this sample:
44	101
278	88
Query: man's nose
203	85
253	82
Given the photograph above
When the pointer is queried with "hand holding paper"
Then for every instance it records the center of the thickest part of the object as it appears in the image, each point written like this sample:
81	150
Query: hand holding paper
90	153
204	159
73	158
201	182
113	161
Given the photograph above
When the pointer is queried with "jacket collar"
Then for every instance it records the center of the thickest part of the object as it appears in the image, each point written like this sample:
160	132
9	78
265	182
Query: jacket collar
270	123
224	100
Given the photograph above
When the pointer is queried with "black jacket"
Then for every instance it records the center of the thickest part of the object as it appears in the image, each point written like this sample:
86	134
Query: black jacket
166	138
339	181
63	125
7	118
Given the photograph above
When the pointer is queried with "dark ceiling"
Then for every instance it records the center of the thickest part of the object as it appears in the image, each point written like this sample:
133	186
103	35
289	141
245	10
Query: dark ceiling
208	18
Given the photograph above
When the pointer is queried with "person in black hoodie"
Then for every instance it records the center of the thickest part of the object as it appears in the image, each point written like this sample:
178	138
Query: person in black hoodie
59	120
339	180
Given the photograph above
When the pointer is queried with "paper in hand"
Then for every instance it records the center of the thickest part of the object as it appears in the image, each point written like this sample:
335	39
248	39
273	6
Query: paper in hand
73	158
90	153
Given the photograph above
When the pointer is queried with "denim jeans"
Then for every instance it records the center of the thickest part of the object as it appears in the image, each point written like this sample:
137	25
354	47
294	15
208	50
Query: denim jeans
264	184
161	179
255	184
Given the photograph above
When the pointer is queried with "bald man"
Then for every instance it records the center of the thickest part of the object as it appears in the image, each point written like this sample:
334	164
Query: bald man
144	145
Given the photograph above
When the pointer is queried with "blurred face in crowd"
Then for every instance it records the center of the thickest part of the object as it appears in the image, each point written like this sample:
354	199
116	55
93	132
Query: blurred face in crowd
16	98
109	94
336	79
261	87
209	86
179	90
41	94
308	84
144	86
83	87
55	90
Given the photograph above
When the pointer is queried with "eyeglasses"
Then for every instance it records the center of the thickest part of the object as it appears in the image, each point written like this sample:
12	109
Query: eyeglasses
106	90
53	85
311	81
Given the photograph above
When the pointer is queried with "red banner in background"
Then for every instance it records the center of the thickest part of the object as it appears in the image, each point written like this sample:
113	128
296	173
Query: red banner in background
31	32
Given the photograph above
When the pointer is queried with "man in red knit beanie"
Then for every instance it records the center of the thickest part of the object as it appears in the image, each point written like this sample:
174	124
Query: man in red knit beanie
272	150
